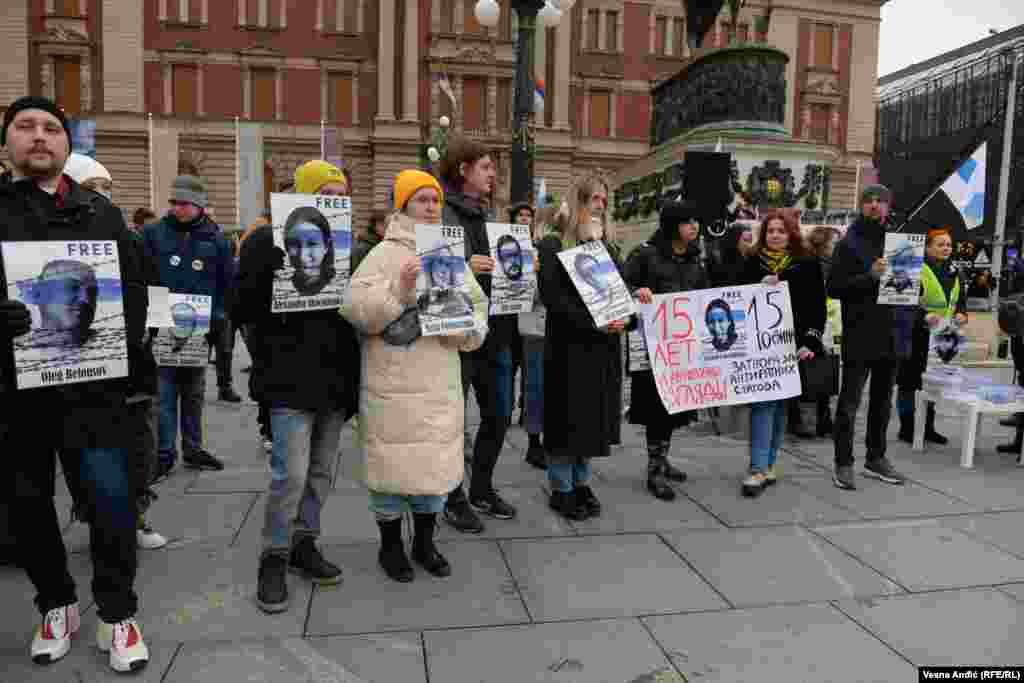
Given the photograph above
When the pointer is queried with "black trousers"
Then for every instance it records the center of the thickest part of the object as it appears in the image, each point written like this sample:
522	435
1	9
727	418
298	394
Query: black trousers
223	338
855	376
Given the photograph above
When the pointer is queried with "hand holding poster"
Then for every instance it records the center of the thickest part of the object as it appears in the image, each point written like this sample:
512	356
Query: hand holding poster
514	279
901	283
184	344
598	281
315	232
73	291
441	293
716	347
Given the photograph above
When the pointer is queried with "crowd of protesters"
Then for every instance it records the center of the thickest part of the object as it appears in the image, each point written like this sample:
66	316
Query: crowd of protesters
313	371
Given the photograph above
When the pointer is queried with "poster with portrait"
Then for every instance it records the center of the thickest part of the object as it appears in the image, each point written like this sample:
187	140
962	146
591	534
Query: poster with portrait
73	291
598	281
442	294
638	359
183	345
723	346
901	283
315	232
514	281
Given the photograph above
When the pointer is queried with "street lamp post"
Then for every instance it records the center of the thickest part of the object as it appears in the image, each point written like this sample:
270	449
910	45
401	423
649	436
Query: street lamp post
527	13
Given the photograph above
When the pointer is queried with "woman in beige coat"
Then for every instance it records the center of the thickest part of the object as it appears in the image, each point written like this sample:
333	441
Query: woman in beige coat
411	407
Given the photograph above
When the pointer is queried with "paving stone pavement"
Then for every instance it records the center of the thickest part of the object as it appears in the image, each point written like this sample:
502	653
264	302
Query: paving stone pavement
807	583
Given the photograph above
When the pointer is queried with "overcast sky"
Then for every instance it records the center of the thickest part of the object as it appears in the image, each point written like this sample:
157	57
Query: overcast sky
916	30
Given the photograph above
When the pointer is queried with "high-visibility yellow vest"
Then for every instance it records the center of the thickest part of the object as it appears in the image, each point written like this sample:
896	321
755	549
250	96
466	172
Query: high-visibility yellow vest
934	298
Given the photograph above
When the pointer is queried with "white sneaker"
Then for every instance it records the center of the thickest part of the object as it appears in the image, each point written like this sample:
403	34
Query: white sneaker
123	640
268	445
147	539
53	637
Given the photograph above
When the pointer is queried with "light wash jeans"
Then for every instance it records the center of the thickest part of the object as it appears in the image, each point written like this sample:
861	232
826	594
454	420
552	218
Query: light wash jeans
565	477
390	506
767	427
302	464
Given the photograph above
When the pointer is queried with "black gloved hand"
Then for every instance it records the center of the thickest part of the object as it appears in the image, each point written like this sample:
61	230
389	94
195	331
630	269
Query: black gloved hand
277	261
15	319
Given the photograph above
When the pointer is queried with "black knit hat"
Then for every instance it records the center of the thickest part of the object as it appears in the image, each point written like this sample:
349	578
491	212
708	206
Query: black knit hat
33	102
674	213
514	210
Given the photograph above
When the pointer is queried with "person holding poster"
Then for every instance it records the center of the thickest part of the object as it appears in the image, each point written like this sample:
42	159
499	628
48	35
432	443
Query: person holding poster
88	418
779	255
582	363
876	337
468	172
943	304
192	257
668	262
411	405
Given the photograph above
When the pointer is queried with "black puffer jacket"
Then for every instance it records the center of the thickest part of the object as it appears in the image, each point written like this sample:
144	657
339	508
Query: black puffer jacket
305	361
654	265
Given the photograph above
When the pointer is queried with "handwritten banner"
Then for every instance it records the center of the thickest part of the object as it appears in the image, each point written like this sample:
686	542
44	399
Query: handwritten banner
719	347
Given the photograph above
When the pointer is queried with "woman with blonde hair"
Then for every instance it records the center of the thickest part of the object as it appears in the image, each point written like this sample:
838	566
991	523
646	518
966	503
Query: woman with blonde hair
411	411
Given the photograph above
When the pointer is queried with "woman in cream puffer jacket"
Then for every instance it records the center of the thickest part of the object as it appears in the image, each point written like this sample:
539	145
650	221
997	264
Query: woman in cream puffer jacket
411	410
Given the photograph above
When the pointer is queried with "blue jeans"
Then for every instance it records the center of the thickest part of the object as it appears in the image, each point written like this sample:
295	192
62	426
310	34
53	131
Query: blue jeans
188	384
565	477
302	464
533	385
390	506
767	426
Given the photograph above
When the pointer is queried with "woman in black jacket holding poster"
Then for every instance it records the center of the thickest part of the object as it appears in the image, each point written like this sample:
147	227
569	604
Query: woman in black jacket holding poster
669	262
780	256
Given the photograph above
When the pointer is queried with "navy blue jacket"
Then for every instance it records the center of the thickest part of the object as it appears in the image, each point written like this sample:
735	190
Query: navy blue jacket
192	259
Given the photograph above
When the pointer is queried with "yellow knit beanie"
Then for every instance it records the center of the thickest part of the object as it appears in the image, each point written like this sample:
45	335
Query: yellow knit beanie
313	175
407	183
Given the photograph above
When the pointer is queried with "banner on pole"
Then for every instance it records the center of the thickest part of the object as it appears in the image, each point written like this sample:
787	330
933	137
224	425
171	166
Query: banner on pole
966	188
719	347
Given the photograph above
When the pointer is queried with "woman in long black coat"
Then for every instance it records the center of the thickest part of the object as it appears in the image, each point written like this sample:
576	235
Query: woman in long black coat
582	377
669	262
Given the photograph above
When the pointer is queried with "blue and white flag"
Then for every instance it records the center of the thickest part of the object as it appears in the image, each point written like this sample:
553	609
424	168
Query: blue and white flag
966	188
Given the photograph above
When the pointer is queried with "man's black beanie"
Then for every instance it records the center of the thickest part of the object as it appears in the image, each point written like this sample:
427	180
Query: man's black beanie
33	102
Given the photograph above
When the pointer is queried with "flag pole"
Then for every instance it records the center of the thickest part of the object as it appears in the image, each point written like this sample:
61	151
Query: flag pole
322	151
152	182
999	235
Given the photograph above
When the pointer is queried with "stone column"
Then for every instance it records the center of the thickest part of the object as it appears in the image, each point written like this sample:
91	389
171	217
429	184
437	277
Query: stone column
386	62
123	82
410	80
492	105
560	94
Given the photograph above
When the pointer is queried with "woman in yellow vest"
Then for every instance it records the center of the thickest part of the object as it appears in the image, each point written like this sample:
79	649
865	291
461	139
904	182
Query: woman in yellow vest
943	297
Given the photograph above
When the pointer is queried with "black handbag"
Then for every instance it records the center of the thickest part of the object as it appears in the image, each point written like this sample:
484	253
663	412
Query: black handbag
819	376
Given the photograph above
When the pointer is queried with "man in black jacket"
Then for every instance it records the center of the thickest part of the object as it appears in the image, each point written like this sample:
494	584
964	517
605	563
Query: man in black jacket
89	421
306	368
876	337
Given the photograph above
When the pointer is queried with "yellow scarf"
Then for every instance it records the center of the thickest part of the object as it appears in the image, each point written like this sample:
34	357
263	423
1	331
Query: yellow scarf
775	260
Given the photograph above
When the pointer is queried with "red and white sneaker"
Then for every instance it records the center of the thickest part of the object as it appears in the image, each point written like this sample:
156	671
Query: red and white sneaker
123	640
53	637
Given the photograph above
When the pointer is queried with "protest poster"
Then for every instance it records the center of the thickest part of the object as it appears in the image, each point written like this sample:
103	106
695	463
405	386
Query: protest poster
442	294
901	283
315	232
184	344
73	292
158	314
514	280
723	346
596	278
638	359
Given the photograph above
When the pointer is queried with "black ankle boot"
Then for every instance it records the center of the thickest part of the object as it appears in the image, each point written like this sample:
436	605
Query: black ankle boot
392	556
930	435
1015	445
657	482
906	428
423	549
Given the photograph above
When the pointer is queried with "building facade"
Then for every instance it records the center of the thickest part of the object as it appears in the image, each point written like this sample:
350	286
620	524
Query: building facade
165	81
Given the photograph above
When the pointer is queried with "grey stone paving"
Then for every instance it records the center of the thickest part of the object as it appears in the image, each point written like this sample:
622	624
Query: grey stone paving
806	583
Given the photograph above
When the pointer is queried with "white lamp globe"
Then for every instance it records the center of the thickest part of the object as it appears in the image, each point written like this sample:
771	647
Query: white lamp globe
445	121
487	13
433	154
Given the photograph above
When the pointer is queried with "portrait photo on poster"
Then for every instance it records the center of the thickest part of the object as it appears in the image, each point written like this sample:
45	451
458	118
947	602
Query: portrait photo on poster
184	343
442	295
725	330
315	232
73	291
598	282
514	280
900	285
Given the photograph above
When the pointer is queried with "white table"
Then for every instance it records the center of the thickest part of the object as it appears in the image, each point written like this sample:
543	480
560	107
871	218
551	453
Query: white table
973	408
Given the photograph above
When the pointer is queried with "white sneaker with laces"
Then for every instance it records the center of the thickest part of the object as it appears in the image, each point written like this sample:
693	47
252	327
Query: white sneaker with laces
148	539
123	640
53	637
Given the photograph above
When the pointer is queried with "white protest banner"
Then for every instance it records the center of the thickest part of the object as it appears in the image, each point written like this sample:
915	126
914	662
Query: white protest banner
441	291
184	344
724	346
514	280
73	291
901	283
315	232
598	281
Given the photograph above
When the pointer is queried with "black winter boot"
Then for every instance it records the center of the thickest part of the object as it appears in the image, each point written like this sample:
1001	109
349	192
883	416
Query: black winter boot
272	591
392	556
423	549
306	560
672	473
657	482
930	435
1015	445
